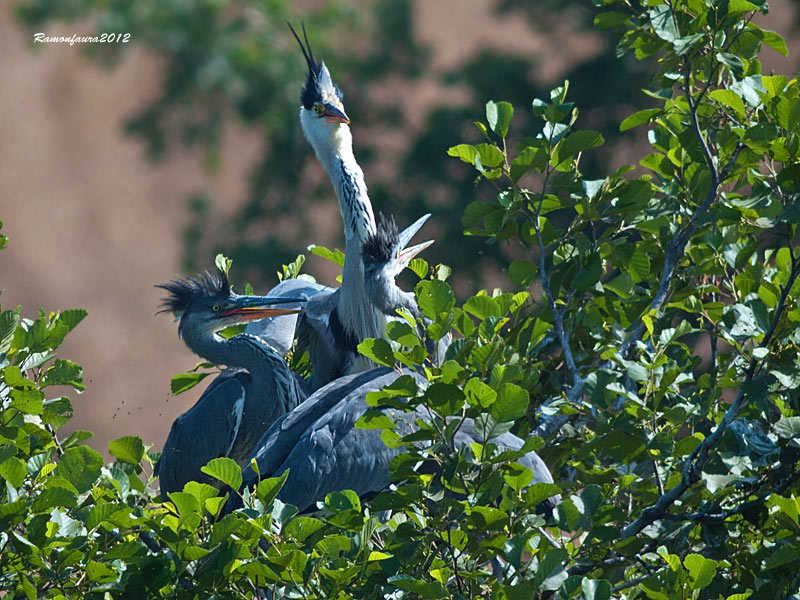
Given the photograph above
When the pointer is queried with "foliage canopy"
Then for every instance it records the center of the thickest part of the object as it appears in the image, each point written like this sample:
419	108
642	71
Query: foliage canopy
653	342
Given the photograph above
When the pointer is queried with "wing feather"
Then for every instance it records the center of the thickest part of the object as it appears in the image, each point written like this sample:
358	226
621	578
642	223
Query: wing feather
205	431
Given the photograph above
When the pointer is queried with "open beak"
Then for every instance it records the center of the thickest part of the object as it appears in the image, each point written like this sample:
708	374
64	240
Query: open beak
409	232
253	308
334	115
405	255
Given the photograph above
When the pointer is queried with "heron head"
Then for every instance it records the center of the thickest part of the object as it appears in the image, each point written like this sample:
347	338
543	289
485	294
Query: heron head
321	97
386	253
207	303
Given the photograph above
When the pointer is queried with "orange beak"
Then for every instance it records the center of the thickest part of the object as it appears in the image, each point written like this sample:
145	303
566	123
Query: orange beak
254	313
334	115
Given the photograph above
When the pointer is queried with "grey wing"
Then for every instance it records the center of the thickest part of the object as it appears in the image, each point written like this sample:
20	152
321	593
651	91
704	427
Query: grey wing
279	440
279	332
333	454
336	456
320	446
205	431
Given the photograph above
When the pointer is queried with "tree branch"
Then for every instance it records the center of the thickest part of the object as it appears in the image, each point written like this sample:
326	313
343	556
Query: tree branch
558	318
677	246
694	463
736	510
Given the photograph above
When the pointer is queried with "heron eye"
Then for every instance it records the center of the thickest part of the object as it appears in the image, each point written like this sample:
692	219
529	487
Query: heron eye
319	108
215	308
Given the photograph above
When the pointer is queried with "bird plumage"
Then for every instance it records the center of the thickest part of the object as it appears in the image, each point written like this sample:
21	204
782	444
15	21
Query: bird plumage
243	401
337	320
278	332
318	441
324	452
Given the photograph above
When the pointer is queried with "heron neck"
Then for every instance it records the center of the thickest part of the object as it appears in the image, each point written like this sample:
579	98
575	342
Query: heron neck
357	314
333	146
244	351
334	149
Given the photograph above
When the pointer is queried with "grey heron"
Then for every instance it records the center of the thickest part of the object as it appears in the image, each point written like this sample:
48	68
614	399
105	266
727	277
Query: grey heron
318	441
335	321
243	401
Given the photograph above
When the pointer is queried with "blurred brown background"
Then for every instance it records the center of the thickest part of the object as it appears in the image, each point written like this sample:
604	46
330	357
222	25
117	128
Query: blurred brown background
94	224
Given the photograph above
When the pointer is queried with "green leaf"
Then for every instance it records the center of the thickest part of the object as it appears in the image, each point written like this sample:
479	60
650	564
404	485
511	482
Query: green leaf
789	178
402	333
774	84
223	263
522	272
375	419
54	497
302	527
185	503
590	274
685	445
61	325
482	306
529	158
434	298
498	115
80	465
430	590
377	350
13	470
778	559
9	320
740	6
201	491
446	398
71	318
419	266
488	517
13	377
574	143
663	23
774	41
129	449
596	589
186	381
621	285
788	427
64	372
511	404
336	256
683	44
730	99
225	470
479	394
701	570
488	155
609	20
639	118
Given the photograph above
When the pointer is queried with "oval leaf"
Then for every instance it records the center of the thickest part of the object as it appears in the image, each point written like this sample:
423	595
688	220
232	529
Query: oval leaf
225	470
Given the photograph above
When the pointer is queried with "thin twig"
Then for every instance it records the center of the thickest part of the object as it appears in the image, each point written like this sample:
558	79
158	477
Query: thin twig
59	449
676	247
694	463
630	584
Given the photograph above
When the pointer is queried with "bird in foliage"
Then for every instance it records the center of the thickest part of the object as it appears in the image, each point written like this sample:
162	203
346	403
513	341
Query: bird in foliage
245	399
336	321
318	441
